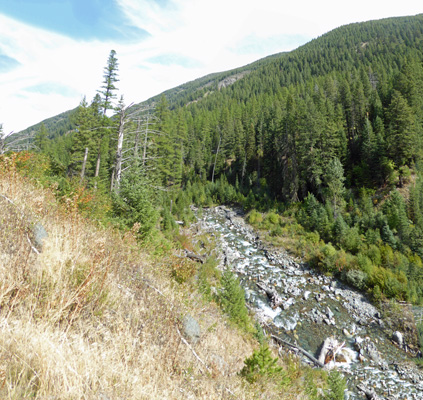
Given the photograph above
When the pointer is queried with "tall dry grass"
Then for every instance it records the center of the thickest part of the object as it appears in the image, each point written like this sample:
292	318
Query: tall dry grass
92	316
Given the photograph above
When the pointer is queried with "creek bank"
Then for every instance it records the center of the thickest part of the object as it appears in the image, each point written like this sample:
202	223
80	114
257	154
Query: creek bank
305	308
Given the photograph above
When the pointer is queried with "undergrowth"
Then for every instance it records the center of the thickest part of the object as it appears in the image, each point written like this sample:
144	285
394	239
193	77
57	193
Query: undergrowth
92	314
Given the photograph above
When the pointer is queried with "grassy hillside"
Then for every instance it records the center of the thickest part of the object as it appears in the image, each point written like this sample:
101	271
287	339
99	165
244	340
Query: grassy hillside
86	313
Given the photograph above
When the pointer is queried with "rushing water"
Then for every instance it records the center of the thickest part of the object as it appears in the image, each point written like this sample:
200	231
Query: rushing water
314	308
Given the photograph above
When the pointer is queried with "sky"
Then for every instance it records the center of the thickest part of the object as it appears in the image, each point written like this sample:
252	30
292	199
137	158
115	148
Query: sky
53	52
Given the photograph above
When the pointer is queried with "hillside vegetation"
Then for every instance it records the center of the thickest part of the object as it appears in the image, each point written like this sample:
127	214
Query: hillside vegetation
329	136
87	313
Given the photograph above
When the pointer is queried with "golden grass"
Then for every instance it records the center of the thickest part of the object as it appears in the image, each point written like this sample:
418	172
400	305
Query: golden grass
92	316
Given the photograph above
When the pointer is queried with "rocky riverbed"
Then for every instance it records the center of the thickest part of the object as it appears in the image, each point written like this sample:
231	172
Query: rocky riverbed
308	308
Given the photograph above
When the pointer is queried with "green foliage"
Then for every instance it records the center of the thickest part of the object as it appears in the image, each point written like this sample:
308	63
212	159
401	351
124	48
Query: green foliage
337	386
182	270
331	128
420	333
262	364
208	276
356	278
259	333
232	300
134	203
255	217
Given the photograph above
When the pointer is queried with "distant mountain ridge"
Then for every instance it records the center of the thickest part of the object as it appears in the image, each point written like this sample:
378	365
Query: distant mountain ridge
187	92
56	126
312	59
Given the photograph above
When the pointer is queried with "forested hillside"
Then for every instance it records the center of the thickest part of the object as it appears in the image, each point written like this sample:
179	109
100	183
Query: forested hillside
329	134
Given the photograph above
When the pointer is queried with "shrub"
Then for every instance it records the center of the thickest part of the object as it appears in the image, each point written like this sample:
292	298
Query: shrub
272	218
255	218
326	257
356	278
351	240
373	253
337	386
232	300
260	364
278	231
208	276
183	270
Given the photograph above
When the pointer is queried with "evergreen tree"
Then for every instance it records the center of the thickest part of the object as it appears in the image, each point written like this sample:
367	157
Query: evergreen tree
165	146
135	203
107	95
41	139
334	179
83	139
108	92
232	299
401	135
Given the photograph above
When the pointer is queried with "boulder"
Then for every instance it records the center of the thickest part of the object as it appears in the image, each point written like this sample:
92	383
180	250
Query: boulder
398	338
192	330
39	233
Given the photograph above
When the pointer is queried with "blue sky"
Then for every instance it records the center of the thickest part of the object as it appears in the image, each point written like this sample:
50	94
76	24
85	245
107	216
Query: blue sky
52	52
78	19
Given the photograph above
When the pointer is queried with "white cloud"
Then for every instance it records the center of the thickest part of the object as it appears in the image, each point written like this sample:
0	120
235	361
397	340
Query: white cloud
209	32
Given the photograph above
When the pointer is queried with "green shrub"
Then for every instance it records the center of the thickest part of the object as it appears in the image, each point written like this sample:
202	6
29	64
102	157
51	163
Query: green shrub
326	257
364	263
261	364
272	218
356	278
255	218
278	231
337	386
351	240
374	255
313	237
208	276
182	270
232	300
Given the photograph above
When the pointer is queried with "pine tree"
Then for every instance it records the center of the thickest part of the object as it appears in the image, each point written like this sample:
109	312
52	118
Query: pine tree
337	386
165	146
107	95
232	299
334	179
110	78
261	363
82	139
401	135
41	140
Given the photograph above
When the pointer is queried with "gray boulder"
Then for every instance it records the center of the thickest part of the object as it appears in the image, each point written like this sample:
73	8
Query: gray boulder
192	330
398	338
39	234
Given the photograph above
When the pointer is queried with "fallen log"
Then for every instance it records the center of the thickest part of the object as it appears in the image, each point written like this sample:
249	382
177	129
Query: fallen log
275	299
195	257
306	353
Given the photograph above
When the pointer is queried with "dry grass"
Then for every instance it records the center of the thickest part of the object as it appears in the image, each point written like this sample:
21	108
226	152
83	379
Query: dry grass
93	317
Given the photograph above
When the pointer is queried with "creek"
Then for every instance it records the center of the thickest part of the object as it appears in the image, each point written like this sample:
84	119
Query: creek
314	307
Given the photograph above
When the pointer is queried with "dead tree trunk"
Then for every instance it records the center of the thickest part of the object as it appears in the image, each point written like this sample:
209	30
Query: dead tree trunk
215	158
84	165
137	138
144	153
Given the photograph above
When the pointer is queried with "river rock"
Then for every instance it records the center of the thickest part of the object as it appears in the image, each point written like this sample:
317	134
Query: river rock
309	321
306	295
398	338
288	323
368	349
